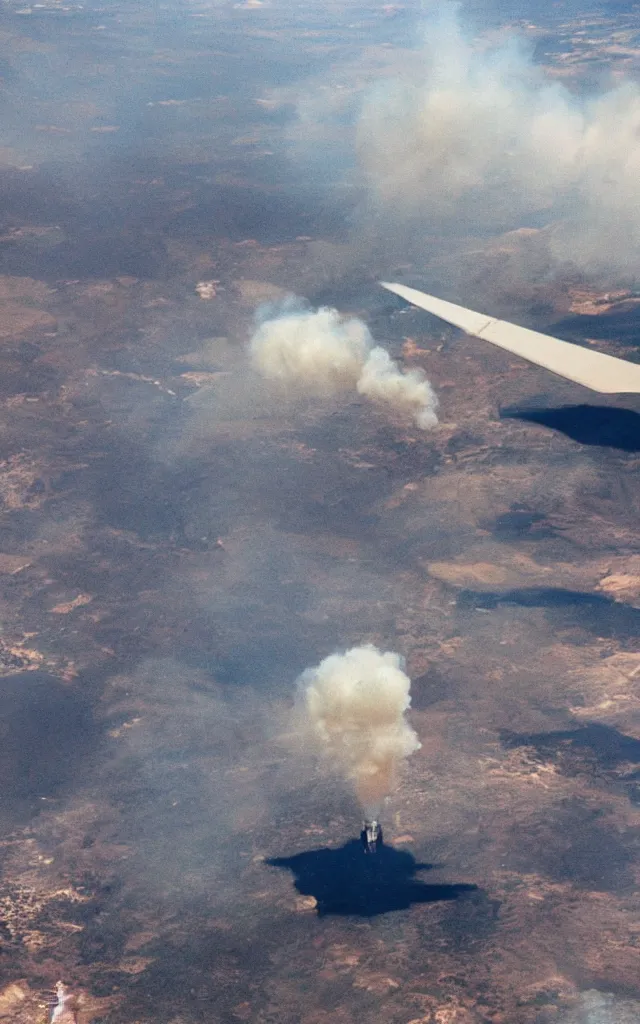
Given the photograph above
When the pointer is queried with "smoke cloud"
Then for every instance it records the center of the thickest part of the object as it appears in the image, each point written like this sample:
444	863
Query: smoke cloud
470	120
484	136
472	134
407	392
594	1007
355	705
321	353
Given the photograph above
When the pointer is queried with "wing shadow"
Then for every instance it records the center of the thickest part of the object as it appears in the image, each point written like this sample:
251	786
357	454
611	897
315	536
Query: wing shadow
600	425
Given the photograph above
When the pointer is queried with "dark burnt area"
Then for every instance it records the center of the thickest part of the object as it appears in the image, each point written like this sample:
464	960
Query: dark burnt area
48	738
520	522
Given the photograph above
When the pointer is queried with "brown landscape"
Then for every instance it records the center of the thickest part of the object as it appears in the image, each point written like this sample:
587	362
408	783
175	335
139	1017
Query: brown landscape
177	545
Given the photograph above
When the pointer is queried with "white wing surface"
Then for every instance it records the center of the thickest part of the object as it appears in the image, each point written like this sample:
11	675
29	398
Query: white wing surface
596	370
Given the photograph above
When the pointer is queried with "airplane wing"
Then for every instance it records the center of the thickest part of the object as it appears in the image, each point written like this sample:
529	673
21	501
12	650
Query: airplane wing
596	370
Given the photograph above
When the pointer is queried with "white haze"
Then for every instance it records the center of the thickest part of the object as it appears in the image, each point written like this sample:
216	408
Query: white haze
475	135
321	353
355	705
472	120
595	1007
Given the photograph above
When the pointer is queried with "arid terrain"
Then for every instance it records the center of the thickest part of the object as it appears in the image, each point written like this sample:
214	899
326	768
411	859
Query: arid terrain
177	544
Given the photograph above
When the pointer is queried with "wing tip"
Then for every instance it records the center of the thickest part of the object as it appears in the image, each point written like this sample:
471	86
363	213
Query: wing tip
468	321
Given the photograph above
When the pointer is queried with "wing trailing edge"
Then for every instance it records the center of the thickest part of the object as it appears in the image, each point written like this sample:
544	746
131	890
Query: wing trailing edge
596	370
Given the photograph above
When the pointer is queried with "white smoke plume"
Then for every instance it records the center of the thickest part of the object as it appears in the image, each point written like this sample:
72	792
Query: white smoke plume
355	705
409	393
484	135
322	353
474	124
472	134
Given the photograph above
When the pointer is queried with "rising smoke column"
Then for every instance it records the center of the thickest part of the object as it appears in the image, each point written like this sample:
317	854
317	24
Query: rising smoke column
465	132
318	353
321	353
481	134
409	392
355	704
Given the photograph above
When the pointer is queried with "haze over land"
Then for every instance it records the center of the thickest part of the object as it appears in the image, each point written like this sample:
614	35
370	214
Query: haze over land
181	537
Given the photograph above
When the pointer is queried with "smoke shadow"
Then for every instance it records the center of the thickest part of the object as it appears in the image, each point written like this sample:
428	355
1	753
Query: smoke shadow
621	326
595	613
610	746
47	733
599	425
599	748
347	882
519	522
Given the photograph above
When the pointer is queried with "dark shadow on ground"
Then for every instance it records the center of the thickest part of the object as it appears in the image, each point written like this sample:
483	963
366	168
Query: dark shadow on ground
47	733
578	841
520	521
594	748
347	881
595	613
599	425
610	746
622	326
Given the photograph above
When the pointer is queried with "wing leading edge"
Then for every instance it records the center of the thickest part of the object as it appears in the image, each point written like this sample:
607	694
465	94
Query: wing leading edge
596	370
